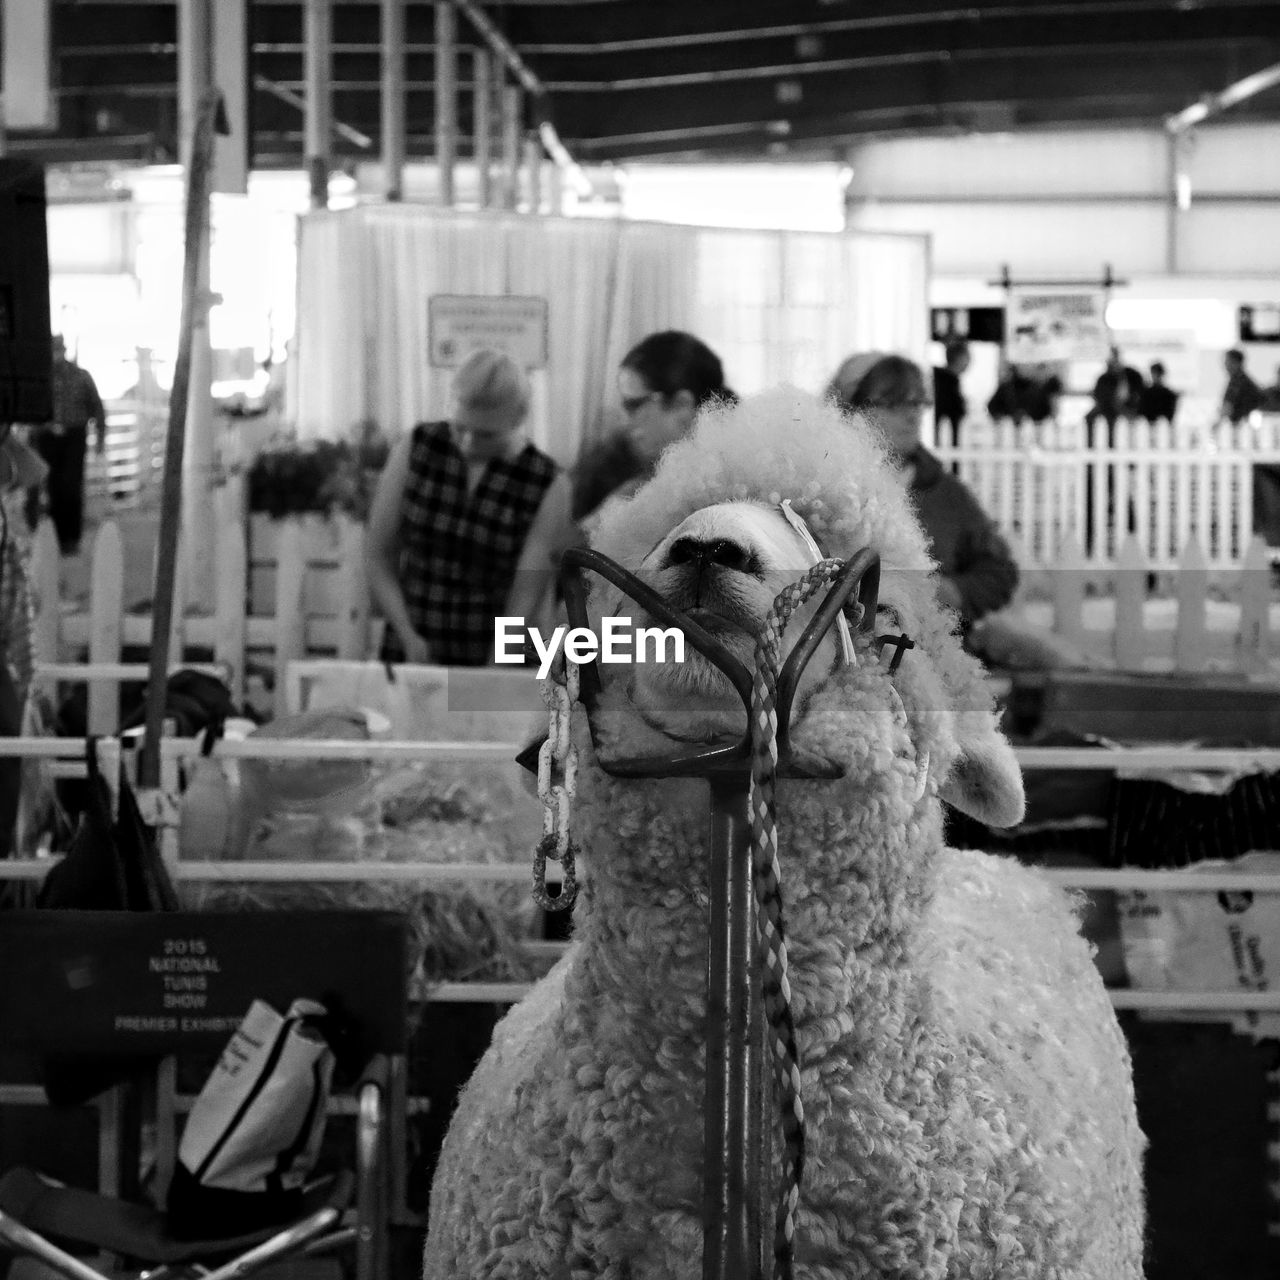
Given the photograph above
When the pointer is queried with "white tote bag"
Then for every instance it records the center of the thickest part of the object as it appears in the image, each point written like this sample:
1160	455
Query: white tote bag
255	1130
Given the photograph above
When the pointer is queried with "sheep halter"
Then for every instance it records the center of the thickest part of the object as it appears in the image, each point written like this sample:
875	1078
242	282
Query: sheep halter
560	692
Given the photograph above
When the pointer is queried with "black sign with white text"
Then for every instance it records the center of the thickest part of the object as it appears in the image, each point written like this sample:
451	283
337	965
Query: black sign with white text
142	982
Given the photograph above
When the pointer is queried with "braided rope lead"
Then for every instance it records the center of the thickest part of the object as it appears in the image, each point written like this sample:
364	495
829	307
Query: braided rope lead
770	934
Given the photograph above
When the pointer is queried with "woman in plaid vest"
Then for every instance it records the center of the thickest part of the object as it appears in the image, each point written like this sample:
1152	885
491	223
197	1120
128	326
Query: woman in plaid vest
467	523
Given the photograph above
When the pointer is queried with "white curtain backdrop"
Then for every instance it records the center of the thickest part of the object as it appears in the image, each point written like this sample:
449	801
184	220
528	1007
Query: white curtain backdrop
776	306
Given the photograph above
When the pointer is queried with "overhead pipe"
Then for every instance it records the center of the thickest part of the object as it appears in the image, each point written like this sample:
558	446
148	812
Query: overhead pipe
510	55
501	46
361	140
1215	103
446	82
393	99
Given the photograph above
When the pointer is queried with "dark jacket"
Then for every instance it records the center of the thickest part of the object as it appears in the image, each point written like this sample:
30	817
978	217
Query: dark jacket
1020	397
963	539
1117	394
1158	403
1241	397
948	400
603	469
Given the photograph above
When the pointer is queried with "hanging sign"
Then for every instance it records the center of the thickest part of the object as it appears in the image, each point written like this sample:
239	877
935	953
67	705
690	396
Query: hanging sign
1056	324
973	324
459	325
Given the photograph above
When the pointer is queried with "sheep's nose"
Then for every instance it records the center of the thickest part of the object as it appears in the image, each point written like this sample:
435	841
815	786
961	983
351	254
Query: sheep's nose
721	551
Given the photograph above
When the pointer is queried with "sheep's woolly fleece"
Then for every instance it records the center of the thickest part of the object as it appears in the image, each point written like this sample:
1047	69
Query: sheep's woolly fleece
968	1100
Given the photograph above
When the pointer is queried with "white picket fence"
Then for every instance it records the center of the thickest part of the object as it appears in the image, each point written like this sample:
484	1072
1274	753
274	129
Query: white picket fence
1168	485
1209	622
295	589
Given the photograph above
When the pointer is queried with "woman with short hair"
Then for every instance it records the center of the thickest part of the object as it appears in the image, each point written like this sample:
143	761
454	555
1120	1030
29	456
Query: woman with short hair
978	572
467	523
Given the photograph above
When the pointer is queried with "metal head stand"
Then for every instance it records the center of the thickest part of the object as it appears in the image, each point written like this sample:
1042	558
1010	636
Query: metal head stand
738	1119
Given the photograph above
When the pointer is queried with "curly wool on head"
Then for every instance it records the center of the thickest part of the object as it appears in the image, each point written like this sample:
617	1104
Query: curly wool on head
787	444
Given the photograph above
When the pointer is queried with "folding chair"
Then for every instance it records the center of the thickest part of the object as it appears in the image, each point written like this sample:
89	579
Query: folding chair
102	984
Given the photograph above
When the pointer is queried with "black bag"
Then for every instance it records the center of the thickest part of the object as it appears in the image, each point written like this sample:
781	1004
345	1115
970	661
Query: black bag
10	767
109	866
194	700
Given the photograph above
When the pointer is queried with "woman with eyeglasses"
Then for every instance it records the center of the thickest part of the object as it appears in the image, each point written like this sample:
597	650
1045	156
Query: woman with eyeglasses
662	383
978	572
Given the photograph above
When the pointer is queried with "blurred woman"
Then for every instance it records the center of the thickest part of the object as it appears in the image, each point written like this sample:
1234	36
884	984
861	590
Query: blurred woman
468	522
978	573
662	383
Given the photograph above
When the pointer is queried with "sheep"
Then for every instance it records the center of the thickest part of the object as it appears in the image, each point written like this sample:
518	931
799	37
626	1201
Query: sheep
967	1091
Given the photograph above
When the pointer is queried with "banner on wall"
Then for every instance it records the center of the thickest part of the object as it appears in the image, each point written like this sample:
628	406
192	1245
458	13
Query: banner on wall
458	325
1046	325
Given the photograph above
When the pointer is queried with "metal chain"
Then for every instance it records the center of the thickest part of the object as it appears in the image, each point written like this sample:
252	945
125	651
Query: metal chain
557	785
770	932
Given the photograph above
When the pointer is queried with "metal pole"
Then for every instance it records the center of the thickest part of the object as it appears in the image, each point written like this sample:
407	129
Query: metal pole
555	190
512	106
195	513
446	97
318	74
533	171
183	393
482	126
393	103
733	1244
1173	211
497	86
230	72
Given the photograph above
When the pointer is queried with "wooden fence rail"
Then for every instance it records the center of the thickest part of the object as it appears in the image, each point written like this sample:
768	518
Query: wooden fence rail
302	594
283	591
1166	485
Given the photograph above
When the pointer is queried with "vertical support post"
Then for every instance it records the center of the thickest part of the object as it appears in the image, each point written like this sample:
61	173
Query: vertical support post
318	116
512	101
231	75
195	237
733	1244
482	126
393	102
446	97
195	75
555	190
533	171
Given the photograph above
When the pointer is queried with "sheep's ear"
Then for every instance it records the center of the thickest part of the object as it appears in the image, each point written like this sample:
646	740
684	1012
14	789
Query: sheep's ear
985	781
